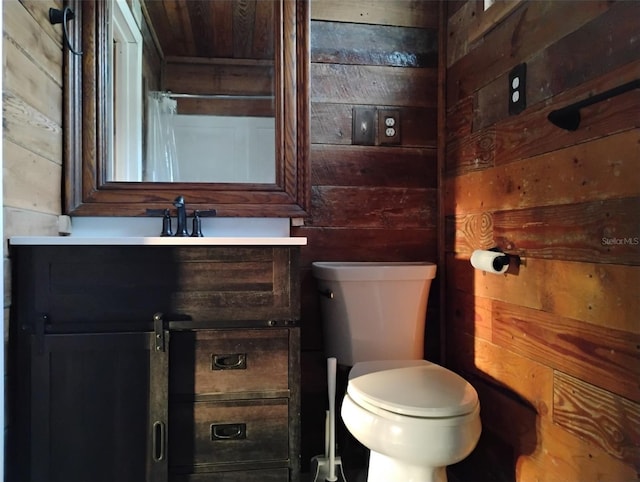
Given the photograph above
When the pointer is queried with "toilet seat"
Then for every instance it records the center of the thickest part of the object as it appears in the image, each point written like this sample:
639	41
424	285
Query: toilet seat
422	389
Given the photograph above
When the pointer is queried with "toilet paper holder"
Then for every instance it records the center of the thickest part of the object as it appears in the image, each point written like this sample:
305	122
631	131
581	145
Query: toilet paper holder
494	264
504	260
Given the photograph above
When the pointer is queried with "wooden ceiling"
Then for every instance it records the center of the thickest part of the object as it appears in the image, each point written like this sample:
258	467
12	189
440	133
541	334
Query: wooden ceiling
214	29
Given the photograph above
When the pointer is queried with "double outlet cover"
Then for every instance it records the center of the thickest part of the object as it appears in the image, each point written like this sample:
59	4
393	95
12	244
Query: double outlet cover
375	126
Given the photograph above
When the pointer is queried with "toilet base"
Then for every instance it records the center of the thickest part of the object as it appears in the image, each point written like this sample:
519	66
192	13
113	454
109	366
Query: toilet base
386	469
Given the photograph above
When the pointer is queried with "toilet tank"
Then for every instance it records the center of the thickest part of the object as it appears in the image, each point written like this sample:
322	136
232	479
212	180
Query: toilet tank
373	310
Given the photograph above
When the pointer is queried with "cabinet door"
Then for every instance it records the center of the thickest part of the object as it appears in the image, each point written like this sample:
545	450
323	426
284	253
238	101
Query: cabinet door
98	408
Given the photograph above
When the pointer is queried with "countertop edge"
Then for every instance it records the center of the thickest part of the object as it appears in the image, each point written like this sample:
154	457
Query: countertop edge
156	241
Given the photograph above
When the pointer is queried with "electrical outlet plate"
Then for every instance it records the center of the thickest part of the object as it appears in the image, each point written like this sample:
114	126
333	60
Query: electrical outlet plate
363	129
388	126
518	89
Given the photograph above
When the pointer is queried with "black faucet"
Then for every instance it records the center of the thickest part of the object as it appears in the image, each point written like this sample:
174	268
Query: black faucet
181	229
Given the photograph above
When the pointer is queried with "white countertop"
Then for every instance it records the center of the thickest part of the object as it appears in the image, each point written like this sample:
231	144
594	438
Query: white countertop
157	241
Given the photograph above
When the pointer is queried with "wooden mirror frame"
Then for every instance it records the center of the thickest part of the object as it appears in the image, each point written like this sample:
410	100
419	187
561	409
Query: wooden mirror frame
86	193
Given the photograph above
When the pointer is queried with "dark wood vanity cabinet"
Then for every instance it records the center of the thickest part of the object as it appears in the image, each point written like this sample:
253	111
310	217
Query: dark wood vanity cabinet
156	363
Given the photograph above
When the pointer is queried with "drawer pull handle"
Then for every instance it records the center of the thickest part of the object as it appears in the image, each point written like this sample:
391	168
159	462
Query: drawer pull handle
158	441
229	431
235	361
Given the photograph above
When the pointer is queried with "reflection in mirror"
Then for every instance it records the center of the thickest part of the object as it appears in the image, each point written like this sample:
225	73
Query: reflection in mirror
125	121
193	91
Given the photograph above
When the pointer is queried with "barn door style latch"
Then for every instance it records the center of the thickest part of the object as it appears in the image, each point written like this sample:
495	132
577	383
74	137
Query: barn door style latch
158	328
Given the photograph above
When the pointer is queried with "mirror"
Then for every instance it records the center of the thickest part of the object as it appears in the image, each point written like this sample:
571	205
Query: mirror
111	157
193	91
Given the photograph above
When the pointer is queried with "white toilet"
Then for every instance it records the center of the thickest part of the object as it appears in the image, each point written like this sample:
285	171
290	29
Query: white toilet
414	416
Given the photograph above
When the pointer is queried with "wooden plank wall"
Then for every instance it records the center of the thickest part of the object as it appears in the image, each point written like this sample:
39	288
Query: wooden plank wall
367	202
553	349
32	121
32	126
32	117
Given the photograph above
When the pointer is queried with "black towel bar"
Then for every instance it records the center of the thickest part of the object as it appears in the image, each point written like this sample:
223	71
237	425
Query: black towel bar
569	117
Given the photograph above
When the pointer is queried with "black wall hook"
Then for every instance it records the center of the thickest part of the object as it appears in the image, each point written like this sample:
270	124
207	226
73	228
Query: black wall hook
57	16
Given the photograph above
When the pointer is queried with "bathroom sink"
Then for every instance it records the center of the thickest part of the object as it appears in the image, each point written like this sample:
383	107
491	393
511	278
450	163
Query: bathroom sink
160	241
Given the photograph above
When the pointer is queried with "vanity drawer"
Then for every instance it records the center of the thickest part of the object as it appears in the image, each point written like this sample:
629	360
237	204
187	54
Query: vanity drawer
235	431
224	361
226	285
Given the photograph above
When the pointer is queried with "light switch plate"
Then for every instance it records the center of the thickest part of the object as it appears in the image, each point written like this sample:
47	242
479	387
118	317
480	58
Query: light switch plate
363	127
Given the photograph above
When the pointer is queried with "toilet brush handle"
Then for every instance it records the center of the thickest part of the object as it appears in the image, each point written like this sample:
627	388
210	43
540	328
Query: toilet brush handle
327	429
331	383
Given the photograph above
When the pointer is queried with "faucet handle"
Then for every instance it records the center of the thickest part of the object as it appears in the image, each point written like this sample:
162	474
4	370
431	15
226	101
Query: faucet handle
207	213
196	232
166	224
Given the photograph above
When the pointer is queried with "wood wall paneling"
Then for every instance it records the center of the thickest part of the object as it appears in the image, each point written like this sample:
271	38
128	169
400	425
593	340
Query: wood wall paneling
606	420
468	315
468	232
30	187
600	294
196	76
602	356
226	107
554	343
597	231
341	43
528	29
532	135
373	85
26	79
365	244
561	455
458	120
24	222
513	387
421	13
31	129
26	24
32	119
602	169
549	73
471	153
334	165
470	21
385	207
330	123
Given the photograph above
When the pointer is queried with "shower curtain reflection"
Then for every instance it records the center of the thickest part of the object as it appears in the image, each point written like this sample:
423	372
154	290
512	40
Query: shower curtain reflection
161	163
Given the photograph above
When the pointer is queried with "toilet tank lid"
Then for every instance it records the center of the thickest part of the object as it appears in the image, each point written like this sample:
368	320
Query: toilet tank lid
426	390
373	270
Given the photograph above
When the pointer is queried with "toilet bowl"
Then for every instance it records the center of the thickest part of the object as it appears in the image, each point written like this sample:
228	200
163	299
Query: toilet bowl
414	416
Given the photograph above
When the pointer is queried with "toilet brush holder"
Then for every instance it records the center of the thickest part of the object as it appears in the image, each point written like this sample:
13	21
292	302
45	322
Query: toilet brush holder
328	467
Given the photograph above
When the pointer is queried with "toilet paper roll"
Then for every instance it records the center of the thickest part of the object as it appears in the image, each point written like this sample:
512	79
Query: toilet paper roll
490	261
